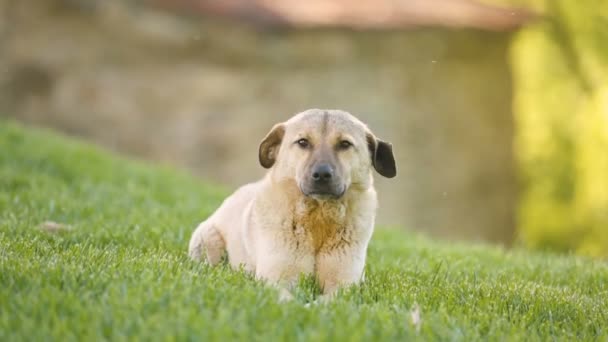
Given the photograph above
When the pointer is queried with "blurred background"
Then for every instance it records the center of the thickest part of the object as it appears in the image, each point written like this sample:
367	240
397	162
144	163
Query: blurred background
498	110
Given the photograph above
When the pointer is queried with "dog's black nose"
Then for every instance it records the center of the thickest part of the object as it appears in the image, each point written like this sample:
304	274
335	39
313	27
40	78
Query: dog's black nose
322	173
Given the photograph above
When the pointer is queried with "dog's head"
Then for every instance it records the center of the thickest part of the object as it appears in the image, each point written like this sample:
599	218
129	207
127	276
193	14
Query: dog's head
326	152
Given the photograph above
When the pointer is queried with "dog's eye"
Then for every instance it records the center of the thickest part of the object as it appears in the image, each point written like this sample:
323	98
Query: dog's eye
344	144
303	143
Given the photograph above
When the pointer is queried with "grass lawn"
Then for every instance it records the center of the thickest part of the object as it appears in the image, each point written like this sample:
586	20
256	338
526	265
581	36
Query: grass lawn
121	272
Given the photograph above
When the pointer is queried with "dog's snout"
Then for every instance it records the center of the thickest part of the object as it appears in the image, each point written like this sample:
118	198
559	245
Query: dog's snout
323	173
323	180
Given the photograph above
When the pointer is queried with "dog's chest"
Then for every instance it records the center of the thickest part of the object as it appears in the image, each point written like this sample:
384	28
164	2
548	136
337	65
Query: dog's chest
320	224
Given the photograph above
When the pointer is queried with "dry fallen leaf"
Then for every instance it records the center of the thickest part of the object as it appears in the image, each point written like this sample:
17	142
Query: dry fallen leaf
415	315
54	227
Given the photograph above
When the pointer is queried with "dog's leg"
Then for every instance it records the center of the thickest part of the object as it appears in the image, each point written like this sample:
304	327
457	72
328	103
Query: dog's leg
284	280
339	267
282	264
207	239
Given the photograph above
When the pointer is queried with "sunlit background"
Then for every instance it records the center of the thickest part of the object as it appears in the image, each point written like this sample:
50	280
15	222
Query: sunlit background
498	110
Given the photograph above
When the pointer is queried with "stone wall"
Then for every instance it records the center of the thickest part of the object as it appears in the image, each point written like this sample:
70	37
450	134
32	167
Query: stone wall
201	94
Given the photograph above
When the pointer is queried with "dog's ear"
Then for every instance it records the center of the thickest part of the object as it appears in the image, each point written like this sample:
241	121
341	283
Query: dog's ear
269	147
382	156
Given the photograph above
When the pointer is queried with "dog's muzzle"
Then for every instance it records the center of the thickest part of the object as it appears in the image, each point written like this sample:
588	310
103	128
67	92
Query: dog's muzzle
323	182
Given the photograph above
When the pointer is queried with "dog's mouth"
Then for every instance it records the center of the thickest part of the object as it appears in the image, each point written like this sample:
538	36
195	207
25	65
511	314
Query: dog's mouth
324	193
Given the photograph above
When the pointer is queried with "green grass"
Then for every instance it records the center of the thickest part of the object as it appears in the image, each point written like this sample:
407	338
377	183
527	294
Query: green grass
121	272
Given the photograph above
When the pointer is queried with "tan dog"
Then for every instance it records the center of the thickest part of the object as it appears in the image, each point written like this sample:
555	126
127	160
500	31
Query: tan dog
314	211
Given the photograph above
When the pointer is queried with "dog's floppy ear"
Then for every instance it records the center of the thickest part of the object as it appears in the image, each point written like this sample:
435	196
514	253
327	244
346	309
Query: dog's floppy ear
382	156
269	147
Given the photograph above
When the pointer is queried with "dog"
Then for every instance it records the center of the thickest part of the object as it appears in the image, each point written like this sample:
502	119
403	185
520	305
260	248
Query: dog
312	214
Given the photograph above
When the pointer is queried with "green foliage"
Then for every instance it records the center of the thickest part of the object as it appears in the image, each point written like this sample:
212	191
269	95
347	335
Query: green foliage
560	70
121	272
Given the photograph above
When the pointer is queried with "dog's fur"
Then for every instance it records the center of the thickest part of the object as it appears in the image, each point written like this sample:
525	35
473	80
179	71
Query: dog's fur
287	224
